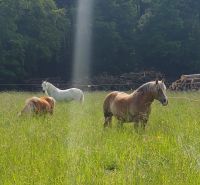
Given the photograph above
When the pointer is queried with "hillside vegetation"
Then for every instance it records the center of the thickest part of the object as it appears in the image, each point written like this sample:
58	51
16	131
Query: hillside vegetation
37	37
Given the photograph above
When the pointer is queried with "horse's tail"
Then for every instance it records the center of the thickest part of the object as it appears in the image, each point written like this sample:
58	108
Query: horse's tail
106	109
106	106
82	99
28	108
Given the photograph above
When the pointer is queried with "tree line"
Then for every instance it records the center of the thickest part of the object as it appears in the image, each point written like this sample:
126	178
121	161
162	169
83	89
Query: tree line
37	37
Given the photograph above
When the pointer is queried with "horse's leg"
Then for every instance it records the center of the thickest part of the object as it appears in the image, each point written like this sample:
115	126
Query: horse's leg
144	121
120	123
81	99
143	124
108	121
51	111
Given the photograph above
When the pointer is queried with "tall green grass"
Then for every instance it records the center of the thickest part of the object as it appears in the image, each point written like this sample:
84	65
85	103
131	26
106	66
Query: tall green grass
71	147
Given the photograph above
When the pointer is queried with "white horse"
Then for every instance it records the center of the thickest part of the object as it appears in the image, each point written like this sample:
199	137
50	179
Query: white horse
63	95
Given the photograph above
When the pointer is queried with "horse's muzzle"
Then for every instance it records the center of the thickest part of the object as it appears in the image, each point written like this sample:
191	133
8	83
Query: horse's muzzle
164	102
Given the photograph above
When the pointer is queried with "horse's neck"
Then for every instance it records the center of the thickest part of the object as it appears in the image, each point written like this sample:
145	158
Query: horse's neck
52	90
145	98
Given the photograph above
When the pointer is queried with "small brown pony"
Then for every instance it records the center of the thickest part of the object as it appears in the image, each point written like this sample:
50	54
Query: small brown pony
134	107
35	105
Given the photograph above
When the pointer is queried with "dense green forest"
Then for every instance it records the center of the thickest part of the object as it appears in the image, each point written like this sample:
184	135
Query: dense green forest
37	37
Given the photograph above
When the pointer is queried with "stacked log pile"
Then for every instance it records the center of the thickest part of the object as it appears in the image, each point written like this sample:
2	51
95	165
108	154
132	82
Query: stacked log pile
104	81
125	81
186	82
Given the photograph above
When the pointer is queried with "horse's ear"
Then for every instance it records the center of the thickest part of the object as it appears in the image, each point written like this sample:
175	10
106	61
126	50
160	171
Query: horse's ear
163	80
156	81
45	80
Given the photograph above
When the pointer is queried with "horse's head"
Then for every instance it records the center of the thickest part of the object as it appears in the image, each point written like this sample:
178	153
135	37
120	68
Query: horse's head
44	86
160	92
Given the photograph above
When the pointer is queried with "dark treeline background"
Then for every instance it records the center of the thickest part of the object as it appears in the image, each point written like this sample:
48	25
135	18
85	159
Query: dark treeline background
36	37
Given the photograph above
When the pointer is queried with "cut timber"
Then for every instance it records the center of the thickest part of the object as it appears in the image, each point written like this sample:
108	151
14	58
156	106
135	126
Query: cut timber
186	82
194	80
187	77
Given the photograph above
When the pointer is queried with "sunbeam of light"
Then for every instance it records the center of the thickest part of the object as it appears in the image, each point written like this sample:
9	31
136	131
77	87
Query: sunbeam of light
83	40
81	73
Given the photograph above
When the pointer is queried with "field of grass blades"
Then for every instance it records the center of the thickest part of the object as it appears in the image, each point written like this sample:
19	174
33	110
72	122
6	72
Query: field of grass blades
72	147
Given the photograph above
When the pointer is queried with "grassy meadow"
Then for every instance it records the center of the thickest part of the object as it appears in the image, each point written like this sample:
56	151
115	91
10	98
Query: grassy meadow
71	147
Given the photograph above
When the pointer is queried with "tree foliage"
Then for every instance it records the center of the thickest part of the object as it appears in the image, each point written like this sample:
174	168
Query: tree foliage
36	37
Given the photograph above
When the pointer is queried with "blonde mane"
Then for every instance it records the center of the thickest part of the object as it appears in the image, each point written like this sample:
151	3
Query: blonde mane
151	87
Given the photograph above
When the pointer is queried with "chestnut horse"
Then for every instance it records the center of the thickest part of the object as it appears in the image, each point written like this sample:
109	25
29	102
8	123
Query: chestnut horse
35	105
134	107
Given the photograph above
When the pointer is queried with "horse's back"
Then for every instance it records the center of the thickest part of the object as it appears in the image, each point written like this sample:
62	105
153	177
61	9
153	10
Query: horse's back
117	104
115	95
69	95
76	90
50	100
109	99
111	96
41	103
